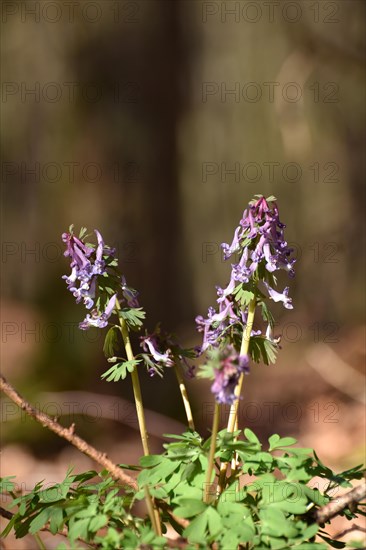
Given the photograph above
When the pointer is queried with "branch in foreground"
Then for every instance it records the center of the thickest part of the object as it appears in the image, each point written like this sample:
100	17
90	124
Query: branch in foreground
333	508
67	433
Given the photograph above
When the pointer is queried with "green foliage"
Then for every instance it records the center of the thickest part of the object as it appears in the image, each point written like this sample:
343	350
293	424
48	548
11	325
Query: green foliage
262	349
133	317
273	510
119	371
244	293
111	341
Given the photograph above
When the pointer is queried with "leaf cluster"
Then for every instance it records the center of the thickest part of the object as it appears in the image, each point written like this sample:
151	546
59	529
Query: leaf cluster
274	509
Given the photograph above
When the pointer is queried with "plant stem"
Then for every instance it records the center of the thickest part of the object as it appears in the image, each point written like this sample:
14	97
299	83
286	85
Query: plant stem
234	407
136	387
183	391
153	512
211	456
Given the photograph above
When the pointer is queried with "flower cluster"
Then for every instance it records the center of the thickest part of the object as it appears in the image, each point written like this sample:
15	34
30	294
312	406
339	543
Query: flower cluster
94	279
260	250
259	239
260	244
231	366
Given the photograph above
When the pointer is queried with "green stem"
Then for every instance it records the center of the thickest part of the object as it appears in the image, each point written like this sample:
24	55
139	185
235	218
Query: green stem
153	512
183	391
136	387
234	407
211	456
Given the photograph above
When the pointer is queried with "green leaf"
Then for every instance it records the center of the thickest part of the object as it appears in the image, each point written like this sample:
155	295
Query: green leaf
275	523
196	530
39	521
261	349
79	529
98	522
9	527
133	317
150	460
276	442
189	507
119	370
252	437
111	342
310	531
214	521
315	495
56	519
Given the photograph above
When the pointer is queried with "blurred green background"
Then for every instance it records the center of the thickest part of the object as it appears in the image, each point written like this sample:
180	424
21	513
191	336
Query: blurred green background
156	122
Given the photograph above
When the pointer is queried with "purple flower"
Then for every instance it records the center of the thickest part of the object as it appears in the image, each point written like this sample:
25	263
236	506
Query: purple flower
216	323
96	319
227	375
78	251
129	294
149	344
259	241
235	245
260	220
278	297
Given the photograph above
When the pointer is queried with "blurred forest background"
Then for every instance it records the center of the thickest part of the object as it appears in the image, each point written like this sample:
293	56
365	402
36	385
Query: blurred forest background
156	122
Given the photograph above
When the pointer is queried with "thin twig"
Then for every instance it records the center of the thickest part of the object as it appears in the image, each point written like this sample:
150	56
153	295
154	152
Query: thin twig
165	508
353	527
107	407
184	394
336	372
335	507
67	433
5	513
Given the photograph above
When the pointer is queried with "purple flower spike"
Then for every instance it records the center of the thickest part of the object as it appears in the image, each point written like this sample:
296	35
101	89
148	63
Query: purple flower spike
260	243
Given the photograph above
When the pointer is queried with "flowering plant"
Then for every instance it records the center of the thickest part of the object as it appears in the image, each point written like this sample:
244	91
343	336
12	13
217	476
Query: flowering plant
224	492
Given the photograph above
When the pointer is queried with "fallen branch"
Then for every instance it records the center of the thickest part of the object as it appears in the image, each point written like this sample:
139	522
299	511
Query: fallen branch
335	507
67	433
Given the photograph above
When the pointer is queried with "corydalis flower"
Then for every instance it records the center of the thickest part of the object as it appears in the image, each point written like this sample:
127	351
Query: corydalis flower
94	278
262	250
86	263
260	238
217	323
129	294
150	345
280	297
161	350
227	375
96	319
